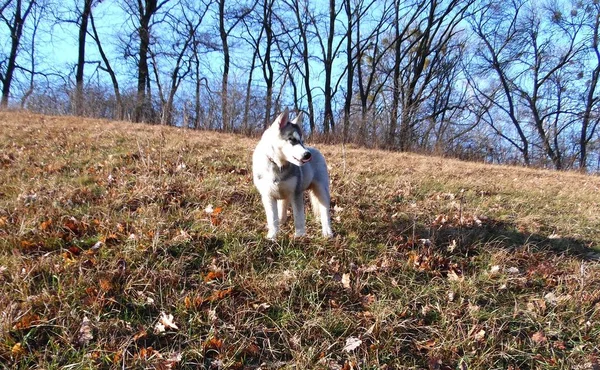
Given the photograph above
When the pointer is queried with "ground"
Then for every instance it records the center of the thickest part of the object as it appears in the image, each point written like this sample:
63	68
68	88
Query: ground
136	246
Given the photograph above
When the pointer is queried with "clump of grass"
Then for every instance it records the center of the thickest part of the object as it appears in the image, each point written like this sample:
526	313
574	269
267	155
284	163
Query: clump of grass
106	226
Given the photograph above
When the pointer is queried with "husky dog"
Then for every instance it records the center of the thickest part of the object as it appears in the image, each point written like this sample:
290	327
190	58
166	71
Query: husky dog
283	168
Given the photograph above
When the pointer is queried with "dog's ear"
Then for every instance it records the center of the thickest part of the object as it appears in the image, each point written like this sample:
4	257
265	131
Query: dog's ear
298	120
281	120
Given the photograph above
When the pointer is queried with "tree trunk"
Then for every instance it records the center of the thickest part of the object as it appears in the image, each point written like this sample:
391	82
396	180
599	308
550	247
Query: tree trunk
142	107
328	96
391	137
16	31
120	109
350	72
79	104
226	63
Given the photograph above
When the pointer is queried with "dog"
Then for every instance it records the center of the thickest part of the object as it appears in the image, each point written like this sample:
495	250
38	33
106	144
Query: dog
283	168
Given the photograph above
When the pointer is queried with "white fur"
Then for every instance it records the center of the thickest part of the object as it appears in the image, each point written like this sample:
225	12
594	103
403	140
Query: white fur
272	157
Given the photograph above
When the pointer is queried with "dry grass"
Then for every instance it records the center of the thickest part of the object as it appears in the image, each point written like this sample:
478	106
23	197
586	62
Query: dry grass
436	264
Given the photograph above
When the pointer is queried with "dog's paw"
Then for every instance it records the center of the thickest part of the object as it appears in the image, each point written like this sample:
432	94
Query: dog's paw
299	234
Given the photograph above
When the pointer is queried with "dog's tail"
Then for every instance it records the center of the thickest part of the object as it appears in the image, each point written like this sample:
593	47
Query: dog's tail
315	204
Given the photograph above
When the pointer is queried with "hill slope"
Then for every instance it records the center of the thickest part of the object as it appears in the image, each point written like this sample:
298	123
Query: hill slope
108	228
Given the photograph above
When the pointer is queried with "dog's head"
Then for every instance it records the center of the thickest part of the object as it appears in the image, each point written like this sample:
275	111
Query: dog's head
290	144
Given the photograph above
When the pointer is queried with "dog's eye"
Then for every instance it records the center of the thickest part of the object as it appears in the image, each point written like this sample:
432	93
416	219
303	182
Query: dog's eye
293	141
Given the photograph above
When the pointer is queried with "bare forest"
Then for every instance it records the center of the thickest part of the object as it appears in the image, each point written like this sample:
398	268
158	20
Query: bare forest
512	82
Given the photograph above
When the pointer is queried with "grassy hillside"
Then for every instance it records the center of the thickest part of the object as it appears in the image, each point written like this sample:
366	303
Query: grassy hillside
137	246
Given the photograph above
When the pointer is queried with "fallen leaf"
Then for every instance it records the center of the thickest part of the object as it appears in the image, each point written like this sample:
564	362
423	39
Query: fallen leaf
479	336
215	219
46	225
148	352
17	350
213	343
72	225
27	321
85	332
539	337
106	285
169	363
219	294
140	335
346	281
183	236
187	302
213	275
453	276
261	307
165	321
352	343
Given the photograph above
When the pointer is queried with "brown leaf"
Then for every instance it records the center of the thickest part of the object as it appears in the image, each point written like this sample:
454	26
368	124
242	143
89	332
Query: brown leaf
215	218
146	353
106	285
46	225
140	335
27	244
187	301
219	294
72	225
17	350
110	239
74	250
213	343
27	321
213	275
539	337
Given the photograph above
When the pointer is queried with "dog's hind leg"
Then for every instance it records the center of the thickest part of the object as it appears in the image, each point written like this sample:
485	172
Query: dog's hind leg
320	200
299	217
282	207
272	219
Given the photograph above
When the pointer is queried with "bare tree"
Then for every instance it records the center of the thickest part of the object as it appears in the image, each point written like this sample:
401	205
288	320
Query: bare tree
83	31
586	16
404	34
107	67
439	26
228	21
143	13
253	38
370	52
533	70
14	14
497	29
38	15
182	22
302	19
329	48
266	63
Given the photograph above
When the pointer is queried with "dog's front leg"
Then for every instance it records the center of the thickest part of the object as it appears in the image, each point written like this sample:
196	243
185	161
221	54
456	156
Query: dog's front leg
270	205
282	207
299	217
